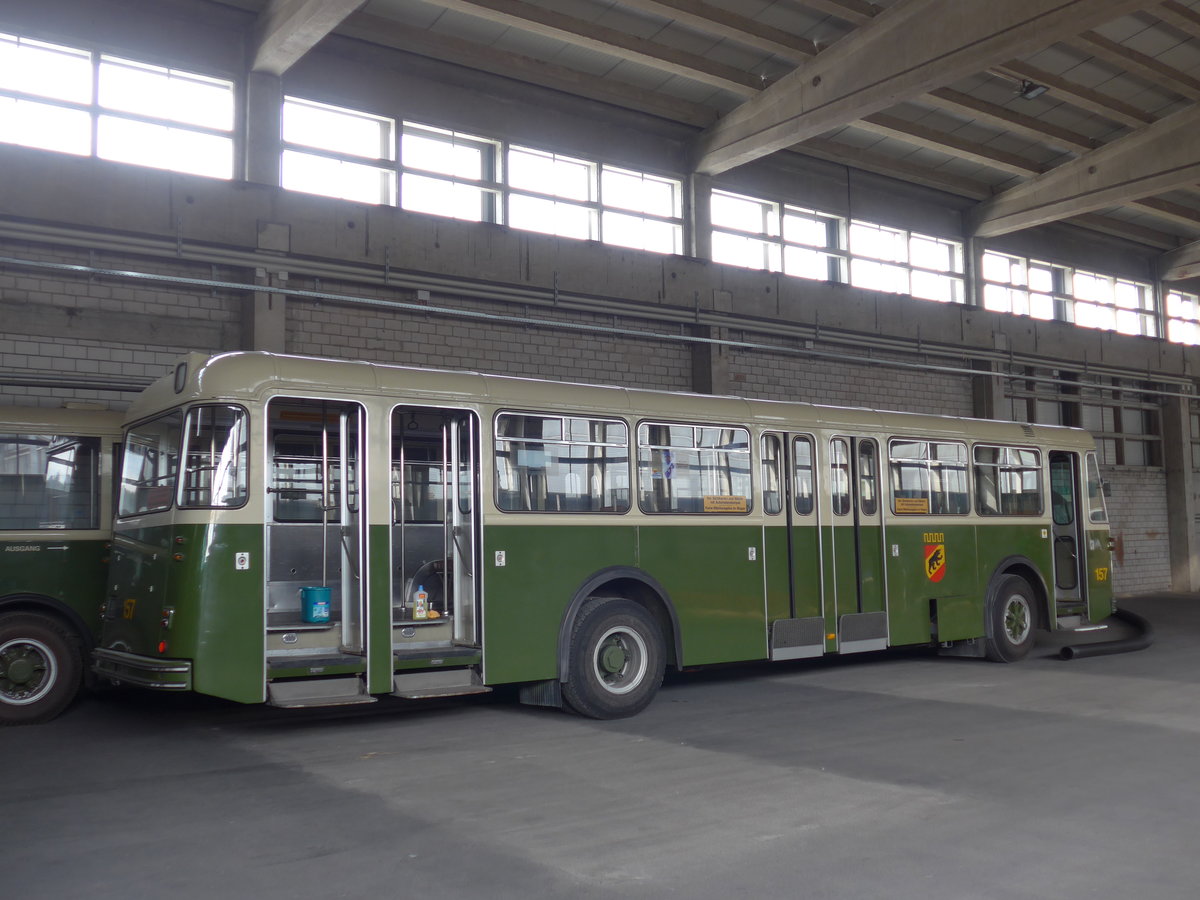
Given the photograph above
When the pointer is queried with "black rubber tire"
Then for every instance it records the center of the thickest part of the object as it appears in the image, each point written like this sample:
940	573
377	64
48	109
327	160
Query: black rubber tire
1012	620
41	668
617	659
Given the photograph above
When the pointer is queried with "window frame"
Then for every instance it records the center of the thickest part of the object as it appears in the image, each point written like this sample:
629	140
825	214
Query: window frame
493	207
1182	322
696	427
126	457
383	163
811	469
93	447
772	471
243	424
1060	294
929	442
563	416
99	112
1000	468
772	236
955	276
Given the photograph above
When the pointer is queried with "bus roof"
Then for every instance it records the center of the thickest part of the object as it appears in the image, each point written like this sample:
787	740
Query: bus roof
249	376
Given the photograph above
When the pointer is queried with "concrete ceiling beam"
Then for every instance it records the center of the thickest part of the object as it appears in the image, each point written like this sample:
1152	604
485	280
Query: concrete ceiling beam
922	136
729	26
909	49
503	63
1138	64
856	12
1158	158
1178	16
1077	95
1176	213
288	29
1007	120
1181	264
619	44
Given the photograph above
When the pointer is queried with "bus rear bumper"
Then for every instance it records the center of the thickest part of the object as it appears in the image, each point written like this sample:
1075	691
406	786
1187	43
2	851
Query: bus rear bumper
143	671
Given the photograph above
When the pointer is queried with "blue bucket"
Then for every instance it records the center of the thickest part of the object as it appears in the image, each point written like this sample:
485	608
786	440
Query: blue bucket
314	604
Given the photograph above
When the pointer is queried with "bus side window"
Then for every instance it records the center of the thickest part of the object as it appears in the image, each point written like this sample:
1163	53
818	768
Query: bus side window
693	469
929	477
561	464
867	478
1008	481
1062	493
772	485
1097	512
49	482
839	476
802	475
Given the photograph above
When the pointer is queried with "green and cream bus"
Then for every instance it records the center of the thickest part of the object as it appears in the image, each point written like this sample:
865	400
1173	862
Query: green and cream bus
55	517
308	532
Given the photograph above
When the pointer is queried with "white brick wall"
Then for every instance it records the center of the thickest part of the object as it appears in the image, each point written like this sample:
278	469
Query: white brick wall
790	377
1137	512
416	339
61	324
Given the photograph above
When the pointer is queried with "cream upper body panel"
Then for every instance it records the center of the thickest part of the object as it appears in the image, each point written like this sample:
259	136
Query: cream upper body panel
249	377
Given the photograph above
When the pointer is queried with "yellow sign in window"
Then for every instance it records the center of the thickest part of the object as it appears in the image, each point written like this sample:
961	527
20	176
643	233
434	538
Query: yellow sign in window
722	504
912	505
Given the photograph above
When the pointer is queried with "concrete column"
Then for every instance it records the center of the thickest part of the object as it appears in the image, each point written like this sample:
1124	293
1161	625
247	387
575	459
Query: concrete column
1181	500
699	217
264	115
710	363
987	394
264	315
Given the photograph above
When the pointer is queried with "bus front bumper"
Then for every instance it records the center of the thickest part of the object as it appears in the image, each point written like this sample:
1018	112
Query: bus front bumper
143	671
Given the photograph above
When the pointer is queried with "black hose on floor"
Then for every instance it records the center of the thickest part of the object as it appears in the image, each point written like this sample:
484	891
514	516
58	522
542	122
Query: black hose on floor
1140	641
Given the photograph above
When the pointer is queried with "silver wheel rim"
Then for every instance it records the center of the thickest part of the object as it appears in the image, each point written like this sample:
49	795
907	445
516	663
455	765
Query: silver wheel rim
620	661
28	670
1018	619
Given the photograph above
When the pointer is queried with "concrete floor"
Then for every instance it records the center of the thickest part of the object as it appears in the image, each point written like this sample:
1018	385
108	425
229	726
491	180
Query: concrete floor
895	775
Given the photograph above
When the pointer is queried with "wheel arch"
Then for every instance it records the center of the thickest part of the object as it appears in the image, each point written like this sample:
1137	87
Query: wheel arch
1024	567
39	603
629	583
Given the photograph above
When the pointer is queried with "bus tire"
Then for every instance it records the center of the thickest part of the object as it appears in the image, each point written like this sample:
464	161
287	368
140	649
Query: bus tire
1012	620
616	659
41	668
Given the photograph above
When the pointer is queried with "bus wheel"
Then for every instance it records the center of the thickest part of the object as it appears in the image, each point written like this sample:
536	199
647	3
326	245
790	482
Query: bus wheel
41	669
1011	620
616	662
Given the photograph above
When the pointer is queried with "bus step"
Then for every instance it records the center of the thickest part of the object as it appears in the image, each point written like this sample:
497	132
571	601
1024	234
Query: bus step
301	692
442	683
1077	625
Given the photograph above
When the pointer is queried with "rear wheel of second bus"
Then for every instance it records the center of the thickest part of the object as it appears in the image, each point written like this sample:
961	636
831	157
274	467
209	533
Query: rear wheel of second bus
1011	620
616	662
